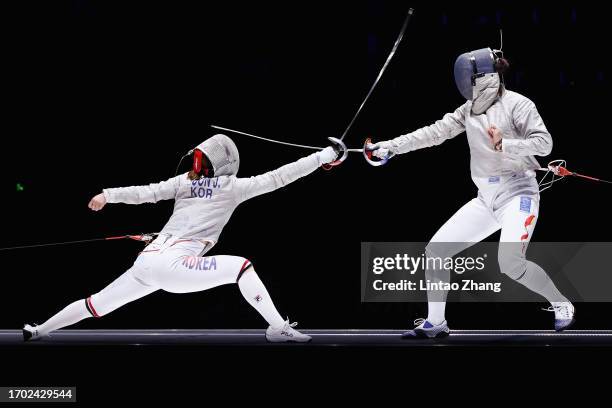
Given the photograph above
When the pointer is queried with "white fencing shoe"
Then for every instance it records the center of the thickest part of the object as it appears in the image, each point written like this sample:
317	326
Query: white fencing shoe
426	330
30	333
564	314
286	333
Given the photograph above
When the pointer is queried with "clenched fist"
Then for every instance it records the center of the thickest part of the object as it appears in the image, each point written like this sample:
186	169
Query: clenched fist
98	202
496	137
380	149
327	155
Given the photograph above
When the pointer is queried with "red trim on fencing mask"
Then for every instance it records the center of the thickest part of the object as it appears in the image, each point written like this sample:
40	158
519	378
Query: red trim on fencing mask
197	161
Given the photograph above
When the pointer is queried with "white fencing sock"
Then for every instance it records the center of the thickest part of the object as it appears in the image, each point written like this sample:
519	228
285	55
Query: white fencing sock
435	312
256	294
436	299
536	279
71	314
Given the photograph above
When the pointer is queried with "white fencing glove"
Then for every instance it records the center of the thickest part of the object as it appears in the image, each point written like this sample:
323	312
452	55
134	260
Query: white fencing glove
380	149
327	155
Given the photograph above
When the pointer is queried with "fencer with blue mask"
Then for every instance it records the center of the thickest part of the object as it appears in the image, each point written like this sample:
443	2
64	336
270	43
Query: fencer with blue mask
504	132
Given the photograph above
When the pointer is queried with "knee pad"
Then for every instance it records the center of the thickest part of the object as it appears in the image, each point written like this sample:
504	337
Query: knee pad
246	265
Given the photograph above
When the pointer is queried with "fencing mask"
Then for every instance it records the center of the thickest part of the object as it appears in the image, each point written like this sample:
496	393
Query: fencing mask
470	66
476	77
216	156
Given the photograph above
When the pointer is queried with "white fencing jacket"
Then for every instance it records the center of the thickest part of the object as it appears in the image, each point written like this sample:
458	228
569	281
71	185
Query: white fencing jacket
203	207
523	130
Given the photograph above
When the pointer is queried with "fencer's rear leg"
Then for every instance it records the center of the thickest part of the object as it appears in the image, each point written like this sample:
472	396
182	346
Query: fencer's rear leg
121	291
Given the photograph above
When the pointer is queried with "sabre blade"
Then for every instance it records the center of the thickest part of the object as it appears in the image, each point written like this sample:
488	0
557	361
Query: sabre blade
266	139
277	141
391	54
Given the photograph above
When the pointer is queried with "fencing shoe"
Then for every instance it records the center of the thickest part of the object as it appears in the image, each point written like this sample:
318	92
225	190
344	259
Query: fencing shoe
426	330
30	333
286	333
564	314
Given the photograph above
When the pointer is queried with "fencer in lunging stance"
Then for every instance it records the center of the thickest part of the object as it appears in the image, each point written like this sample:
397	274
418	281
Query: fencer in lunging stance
504	132
204	198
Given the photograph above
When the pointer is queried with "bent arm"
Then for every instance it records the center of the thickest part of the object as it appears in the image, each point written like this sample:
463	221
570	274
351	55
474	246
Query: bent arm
536	141
151	193
446	128
264	183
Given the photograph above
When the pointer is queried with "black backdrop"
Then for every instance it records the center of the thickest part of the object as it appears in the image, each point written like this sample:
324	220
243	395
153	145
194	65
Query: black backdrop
101	94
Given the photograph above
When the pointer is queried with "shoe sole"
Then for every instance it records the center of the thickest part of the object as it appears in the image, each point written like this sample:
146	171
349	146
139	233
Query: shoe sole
568	326
288	341
421	334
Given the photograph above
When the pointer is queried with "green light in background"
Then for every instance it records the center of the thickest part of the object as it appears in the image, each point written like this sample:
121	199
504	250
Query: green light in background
19	187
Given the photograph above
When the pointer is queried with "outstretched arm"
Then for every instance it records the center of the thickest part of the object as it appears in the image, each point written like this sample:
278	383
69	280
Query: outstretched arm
272	180
446	128
151	193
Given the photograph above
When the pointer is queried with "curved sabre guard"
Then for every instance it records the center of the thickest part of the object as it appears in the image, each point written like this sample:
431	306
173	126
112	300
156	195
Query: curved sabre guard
342	151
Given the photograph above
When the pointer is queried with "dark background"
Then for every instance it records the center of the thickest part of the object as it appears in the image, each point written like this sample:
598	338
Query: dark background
110	93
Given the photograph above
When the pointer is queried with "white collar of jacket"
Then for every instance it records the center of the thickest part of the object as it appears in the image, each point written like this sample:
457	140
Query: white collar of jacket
485	92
